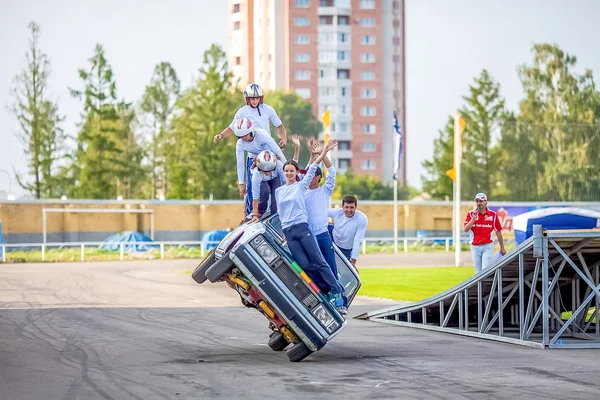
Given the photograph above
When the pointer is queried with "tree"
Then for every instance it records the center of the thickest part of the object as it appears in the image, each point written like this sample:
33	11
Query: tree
108	155
296	114
550	150
482	112
39	120
158	103
199	168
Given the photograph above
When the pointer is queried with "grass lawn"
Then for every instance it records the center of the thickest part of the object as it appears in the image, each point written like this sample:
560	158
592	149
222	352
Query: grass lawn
410	284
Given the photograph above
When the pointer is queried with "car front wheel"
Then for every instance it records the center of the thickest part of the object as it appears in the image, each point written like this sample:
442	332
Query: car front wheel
219	269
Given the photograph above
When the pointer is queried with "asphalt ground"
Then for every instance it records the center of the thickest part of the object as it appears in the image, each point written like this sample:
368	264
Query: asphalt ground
143	330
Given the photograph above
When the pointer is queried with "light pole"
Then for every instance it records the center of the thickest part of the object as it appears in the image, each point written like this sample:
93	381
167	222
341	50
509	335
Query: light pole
9	181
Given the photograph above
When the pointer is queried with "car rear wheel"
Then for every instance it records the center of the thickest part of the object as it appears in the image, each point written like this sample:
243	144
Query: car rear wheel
299	352
277	342
219	269
199	274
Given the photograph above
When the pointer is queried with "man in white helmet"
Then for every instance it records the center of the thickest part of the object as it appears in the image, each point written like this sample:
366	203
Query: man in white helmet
252	140
260	113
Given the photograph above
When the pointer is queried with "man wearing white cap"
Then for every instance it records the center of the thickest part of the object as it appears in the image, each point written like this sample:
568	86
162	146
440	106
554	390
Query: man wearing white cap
481	223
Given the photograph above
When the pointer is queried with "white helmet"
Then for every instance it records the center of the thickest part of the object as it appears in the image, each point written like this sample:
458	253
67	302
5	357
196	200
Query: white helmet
266	160
242	127
253	90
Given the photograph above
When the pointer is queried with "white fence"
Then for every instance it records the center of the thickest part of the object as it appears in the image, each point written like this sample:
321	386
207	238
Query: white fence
446	242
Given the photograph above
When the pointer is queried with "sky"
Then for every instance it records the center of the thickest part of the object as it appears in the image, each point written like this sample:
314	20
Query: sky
448	43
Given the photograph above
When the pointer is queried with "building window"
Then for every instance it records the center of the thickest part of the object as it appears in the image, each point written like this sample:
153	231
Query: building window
367	40
343	74
367	165
367	76
236	26
301	3
368	111
327	56
344	91
302	57
327	91
302	39
367	58
343	56
368	94
344	145
326	3
367	4
303	75
344	163
301	21
368	147
238	60
343	129
326	20
343	20
303	92
325	37
342	110
367	22
324	107
369	129
343	37
236	8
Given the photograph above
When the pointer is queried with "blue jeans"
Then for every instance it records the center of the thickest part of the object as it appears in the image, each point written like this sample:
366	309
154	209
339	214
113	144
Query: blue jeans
248	200
304	249
267	189
482	256
326	246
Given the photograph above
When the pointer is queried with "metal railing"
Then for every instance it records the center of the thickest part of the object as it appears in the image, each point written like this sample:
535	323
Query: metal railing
404	242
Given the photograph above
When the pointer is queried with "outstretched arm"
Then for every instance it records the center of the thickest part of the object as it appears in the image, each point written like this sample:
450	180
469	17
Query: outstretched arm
296	141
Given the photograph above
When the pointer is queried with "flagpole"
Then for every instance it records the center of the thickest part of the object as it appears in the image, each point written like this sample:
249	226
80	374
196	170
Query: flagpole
457	161
395	216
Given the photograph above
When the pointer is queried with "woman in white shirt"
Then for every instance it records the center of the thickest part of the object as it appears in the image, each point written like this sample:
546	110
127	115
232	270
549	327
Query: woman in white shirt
294	222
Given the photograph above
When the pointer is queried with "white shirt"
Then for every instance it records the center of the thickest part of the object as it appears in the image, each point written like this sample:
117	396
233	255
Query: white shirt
317	201
291	205
259	177
262	141
348	233
262	116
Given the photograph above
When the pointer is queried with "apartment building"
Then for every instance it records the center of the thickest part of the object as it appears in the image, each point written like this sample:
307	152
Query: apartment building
342	55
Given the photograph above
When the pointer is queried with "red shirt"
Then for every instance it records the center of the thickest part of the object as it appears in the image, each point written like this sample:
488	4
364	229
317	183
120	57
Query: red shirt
482	231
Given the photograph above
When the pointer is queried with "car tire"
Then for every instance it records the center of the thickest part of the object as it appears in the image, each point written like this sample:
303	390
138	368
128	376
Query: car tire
299	352
277	342
199	274
219	269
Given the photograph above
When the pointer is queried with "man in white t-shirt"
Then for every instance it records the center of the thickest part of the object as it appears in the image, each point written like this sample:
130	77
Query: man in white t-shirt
252	140
261	115
258	112
349	228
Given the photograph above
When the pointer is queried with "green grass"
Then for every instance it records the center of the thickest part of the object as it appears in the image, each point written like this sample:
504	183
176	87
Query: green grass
95	254
410	284
387	247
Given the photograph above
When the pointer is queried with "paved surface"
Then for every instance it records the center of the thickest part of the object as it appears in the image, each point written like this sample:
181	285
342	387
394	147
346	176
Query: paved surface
128	331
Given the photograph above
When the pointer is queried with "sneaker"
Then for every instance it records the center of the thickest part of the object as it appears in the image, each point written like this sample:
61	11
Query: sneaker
336	300
343	311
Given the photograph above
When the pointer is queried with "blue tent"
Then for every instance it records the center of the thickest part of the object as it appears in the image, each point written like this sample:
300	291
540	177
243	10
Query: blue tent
128	238
554	218
214	237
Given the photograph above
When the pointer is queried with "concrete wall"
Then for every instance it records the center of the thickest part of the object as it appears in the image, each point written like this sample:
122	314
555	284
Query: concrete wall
188	220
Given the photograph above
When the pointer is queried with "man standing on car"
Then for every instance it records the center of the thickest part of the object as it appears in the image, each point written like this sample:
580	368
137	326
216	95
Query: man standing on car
481	223
349	228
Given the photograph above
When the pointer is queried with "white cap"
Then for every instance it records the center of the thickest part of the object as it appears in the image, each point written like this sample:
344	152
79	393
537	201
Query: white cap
481	196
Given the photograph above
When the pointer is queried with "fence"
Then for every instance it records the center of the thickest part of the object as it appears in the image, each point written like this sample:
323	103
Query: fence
378	244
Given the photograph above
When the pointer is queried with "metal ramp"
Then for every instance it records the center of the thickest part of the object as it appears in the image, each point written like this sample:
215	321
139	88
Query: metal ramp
544	293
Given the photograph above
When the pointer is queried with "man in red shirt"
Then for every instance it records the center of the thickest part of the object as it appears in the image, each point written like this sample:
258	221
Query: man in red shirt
481	223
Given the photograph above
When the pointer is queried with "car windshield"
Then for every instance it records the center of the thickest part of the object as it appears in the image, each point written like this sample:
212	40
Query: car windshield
347	277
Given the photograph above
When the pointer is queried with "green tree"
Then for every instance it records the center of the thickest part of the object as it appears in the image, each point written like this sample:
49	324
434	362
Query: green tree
296	114
107	160
199	168
550	149
39	121
158	104
483	111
